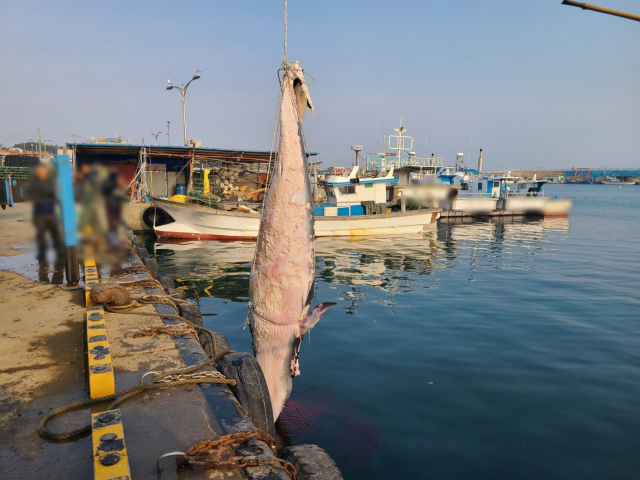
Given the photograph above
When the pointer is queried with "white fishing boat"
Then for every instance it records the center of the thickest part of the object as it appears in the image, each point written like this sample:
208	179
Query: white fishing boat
498	195
615	180
356	206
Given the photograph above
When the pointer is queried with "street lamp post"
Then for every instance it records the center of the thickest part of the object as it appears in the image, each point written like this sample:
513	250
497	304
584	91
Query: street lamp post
183	90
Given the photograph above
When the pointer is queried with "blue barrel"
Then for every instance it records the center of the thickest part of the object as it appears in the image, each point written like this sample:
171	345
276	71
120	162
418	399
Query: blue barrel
181	189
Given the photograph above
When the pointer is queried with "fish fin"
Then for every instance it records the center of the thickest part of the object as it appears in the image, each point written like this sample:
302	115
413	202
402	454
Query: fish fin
310	320
303	99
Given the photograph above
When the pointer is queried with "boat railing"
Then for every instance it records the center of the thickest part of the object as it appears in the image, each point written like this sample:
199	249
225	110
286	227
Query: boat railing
467	193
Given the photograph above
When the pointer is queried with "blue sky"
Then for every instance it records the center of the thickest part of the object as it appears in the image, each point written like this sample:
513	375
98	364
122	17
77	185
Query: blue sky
534	82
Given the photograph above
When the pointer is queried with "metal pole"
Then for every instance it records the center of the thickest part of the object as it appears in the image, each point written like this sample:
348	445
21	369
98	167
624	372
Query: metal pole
168	134
39	145
184	113
65	194
608	11
193	159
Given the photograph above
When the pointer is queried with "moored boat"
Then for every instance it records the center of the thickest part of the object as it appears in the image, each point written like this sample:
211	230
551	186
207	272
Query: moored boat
356	206
499	195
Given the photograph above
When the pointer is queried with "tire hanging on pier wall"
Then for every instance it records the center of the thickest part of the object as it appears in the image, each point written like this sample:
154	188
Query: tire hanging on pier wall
311	463
250	390
161	217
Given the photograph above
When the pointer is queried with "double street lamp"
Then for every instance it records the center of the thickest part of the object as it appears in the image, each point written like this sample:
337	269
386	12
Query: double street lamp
183	90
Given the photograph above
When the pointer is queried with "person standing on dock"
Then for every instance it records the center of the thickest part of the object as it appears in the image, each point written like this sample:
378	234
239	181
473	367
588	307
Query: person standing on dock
114	198
43	194
88	192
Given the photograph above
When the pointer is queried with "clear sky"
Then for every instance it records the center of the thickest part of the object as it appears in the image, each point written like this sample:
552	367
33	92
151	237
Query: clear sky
533	82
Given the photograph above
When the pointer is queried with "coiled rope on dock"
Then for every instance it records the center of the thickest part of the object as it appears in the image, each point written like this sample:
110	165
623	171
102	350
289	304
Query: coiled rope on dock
160	381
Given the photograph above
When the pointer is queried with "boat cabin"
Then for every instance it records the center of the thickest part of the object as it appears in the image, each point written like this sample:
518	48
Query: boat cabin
492	186
352	194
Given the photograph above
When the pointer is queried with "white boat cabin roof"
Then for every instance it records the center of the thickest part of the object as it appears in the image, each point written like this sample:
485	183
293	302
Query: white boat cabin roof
353	190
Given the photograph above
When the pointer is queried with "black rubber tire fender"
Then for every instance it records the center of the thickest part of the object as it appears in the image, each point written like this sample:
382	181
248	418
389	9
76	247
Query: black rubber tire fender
250	389
160	215
311	463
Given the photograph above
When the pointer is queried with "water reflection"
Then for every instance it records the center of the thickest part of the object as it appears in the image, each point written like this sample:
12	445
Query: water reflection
388	264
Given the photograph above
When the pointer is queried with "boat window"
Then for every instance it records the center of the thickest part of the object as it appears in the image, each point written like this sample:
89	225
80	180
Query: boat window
330	192
496	184
347	190
479	185
522	185
465	186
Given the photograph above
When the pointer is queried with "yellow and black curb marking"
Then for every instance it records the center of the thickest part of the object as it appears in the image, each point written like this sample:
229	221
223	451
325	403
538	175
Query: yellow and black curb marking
110	459
90	274
100	368
101	379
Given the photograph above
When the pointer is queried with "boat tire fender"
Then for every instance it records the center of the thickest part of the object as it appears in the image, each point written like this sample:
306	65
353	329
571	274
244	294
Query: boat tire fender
311	462
160	216
250	390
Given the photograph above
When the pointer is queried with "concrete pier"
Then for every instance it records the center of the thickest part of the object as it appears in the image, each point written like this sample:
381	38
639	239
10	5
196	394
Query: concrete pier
47	346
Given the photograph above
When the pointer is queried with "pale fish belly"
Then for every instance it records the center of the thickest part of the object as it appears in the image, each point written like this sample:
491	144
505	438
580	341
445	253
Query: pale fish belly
274	346
282	274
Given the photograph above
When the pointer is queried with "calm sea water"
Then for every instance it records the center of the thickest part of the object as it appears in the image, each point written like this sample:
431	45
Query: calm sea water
500	349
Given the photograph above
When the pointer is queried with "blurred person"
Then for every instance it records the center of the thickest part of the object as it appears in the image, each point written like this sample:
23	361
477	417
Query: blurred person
42	191
89	196
114	199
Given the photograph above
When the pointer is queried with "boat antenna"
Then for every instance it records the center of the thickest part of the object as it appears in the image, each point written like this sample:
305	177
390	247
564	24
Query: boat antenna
471	143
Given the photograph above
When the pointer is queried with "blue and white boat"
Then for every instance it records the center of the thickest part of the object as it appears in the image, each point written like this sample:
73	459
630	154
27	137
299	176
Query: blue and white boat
498	195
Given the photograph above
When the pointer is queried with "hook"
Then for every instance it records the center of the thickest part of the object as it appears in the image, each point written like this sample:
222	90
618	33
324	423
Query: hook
148	373
162	457
133	330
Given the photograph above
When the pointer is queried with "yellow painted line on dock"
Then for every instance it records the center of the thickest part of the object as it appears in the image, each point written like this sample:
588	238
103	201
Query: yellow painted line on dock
101	378
110	459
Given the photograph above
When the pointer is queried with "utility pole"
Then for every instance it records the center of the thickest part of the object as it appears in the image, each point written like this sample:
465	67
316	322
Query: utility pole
168	135
39	145
156	135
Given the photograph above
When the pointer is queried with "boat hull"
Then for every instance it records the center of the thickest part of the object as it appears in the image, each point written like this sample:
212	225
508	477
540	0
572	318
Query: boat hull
204	223
511	206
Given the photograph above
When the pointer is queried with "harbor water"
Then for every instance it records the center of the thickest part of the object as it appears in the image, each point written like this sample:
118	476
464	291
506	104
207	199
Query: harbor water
496	349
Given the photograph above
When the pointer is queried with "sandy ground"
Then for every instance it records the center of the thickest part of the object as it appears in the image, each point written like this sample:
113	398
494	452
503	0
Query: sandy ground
41	360
16	229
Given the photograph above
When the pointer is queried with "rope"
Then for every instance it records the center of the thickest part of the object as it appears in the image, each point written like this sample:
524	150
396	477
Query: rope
141	282
160	299
120	397
285	33
131	269
163	330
